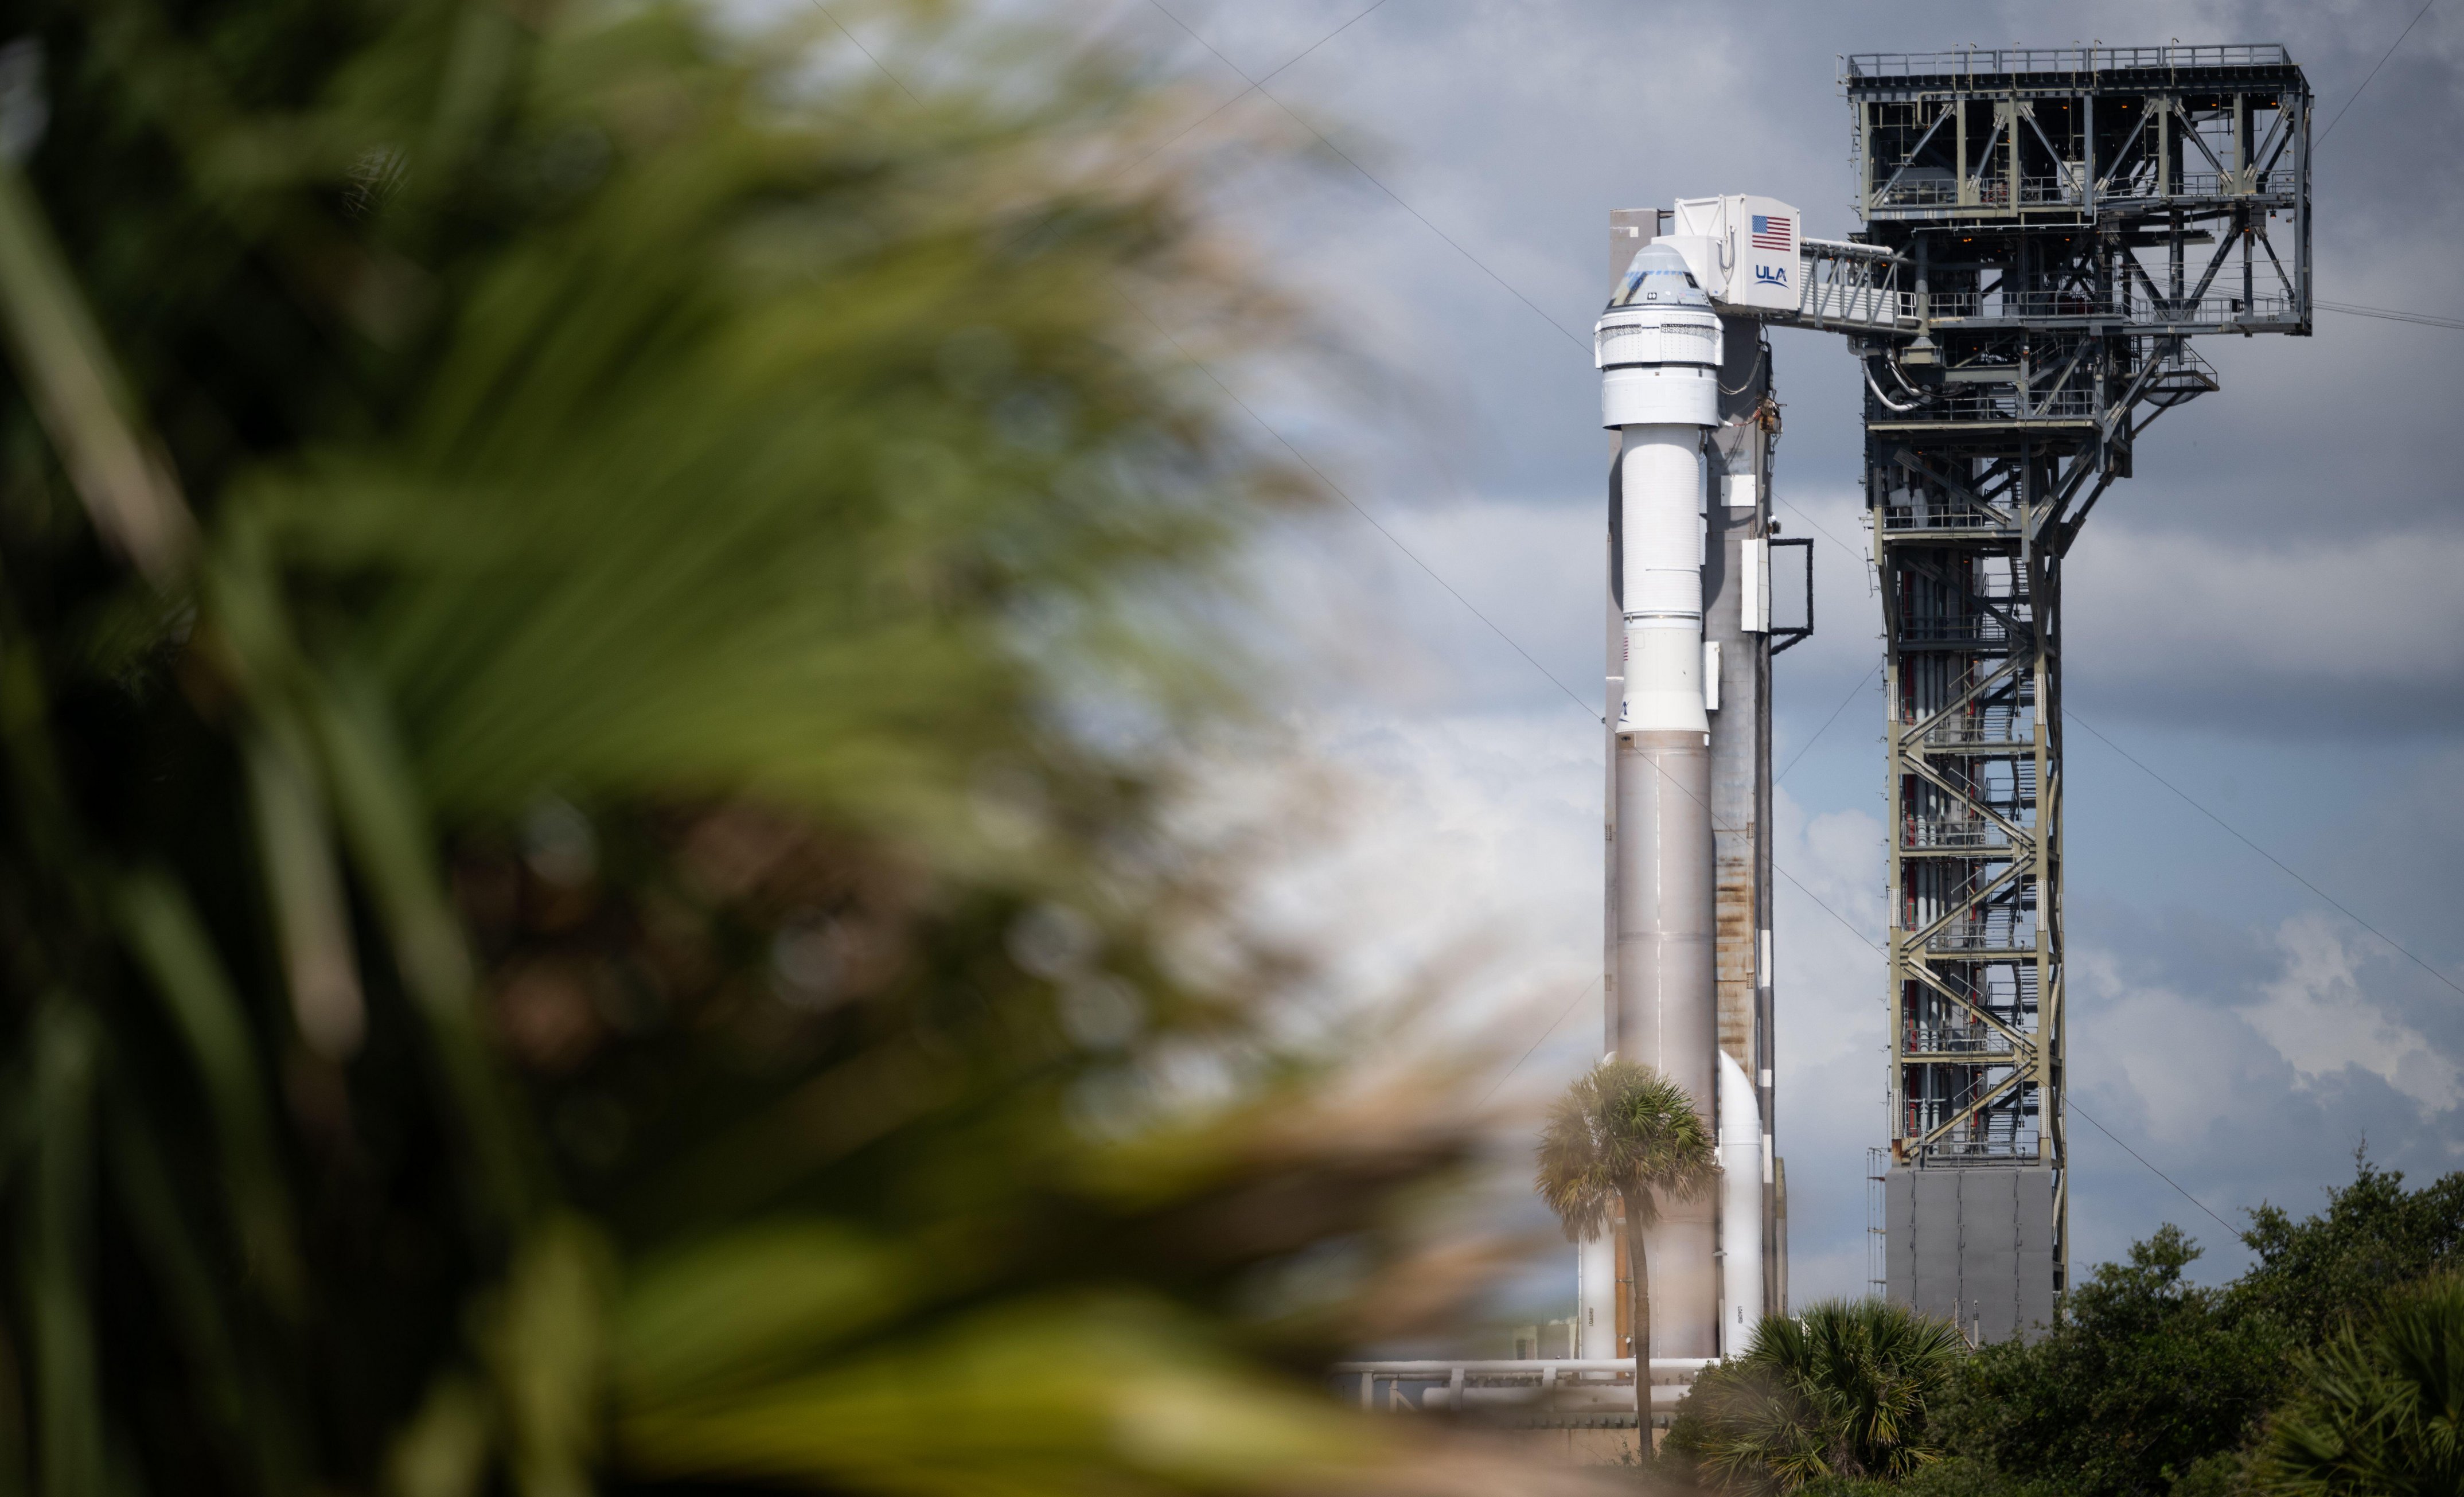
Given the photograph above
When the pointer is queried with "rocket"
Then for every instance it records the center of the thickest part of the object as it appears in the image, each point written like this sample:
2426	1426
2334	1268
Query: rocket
1659	348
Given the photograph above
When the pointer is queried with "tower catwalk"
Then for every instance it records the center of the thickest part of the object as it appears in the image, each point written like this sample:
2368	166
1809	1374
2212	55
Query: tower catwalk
2061	222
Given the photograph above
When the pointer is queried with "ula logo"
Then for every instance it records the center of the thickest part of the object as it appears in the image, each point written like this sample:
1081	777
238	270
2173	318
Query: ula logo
1770	275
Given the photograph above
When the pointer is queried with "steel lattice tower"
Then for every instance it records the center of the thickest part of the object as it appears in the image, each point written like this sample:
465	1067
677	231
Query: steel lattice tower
2059	223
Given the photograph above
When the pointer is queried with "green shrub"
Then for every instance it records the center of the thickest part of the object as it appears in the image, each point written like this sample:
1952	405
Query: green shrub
2146	1375
2379	1409
1839	1392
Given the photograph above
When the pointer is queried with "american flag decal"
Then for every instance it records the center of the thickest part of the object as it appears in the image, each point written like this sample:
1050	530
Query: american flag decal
1770	234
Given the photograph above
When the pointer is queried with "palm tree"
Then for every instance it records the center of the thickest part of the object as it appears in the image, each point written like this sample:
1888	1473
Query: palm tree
1841	1391
2380	1410
553	558
1624	1136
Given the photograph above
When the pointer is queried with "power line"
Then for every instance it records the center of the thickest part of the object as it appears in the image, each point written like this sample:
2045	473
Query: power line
867	50
1535	1046
1337	490
2152	1170
2285	868
2374	72
1254	87
1510	289
2391	315
1776	865
1828	721
1259	85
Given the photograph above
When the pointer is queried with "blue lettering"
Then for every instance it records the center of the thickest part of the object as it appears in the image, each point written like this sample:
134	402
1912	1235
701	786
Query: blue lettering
1771	274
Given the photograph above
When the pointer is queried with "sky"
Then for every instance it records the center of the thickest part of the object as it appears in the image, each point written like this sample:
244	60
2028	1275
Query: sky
2265	653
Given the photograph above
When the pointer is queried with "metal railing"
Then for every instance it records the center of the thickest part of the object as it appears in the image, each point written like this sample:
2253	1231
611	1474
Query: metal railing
2005	402
1917	192
2003	933
2069	188
1950	831
1844	302
1978	628
1997	728
1856	285
1981	1040
1921	515
2021	1144
2131	303
1972	61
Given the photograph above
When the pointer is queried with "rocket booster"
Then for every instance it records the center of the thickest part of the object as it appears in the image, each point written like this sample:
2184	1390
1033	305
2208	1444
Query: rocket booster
1658	347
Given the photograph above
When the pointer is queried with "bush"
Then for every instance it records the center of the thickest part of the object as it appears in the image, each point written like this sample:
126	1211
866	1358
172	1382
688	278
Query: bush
2379	1411
2335	1268
1839	1392
1955	1476
2146	1375
590	678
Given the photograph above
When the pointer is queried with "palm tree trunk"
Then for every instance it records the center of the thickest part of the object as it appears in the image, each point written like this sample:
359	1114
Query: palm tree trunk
1640	1301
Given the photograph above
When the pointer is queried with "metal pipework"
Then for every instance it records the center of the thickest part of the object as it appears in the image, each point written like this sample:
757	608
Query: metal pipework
1658	347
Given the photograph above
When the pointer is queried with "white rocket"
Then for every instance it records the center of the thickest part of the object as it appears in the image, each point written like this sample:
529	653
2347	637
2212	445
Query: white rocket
1659	349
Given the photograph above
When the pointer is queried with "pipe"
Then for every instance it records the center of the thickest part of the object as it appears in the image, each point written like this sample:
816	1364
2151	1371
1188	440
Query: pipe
1657	347
1741	1208
1589	1399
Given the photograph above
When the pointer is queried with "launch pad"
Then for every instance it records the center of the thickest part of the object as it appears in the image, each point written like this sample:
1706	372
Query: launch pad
2045	231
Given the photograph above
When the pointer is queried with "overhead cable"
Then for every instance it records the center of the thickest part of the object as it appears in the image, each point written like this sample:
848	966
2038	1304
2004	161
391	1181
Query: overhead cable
1259	85
2287	869
1535	1044
1853	693
2374	72
1256	85
2390	313
2151	1169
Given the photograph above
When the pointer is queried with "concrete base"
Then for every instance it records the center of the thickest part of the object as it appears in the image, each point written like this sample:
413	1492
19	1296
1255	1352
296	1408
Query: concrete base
1974	1245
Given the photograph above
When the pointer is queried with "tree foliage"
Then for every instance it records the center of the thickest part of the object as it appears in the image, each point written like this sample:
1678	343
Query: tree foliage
2145	1375
1622	1137
1841	1391
2379	1408
2320	1273
1621	1141
561	926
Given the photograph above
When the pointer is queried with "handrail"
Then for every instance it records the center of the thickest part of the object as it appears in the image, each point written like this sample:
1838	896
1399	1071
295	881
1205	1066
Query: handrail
1998	60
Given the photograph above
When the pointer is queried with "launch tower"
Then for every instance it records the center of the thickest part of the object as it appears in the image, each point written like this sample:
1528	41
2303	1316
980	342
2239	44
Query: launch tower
2060	223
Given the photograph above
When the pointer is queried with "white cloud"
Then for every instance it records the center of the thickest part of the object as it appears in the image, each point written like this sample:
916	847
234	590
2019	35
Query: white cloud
2296	629
2321	1018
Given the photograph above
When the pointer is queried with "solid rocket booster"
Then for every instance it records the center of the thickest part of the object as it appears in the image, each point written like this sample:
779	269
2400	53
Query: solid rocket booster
1659	349
1741	1208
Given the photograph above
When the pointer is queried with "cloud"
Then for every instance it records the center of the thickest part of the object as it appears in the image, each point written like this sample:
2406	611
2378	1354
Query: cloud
2321	1018
1831	1035
2310	638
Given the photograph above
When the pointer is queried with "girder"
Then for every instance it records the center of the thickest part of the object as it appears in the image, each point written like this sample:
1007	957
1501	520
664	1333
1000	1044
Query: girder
2043	231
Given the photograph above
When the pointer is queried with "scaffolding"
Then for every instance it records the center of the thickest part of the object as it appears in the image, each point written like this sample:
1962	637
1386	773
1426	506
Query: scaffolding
2045	230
